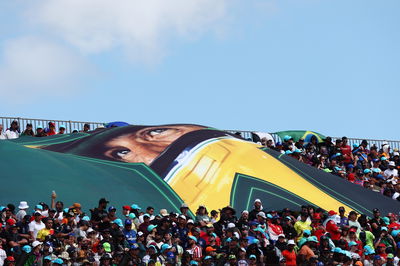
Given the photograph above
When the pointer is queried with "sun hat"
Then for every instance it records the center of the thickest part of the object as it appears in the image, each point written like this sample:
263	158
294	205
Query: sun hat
23	205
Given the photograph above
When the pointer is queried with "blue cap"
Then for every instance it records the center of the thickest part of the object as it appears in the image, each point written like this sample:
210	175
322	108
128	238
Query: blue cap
312	239
230	239
252	256
355	145
27	248
118	222
66	210
151	227
278	144
62	126
131	215
128	222
135	207
366	171
112	208
376	170
58	261
384	228
297	151
368	250
47	258
352	243
207	258
307	232
379	176
337	250
40	207
193	262
350	165
383	158
377	257
164	247
395	232
85	218
287	137
375	160
288	152
254	241
193	238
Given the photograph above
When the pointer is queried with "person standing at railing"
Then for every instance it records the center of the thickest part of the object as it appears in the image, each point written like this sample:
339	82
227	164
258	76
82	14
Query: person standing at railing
2	135
28	131
13	131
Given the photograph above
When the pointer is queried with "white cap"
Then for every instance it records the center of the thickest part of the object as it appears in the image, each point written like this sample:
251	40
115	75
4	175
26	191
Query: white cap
391	163
245	211
281	235
140	233
291	242
190	221
23	205
182	217
262	214
231	225
396	153
257	200
36	243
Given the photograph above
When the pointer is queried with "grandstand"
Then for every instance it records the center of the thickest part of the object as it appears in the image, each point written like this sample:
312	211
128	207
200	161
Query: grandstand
246	134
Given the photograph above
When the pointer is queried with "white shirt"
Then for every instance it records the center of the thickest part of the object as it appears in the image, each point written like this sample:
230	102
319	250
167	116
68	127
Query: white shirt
36	227
11	134
20	215
3	256
389	172
2	136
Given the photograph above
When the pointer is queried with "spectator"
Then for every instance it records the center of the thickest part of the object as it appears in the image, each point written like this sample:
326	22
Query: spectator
28	131
13	131
40	132
61	129
2	134
51	130
86	128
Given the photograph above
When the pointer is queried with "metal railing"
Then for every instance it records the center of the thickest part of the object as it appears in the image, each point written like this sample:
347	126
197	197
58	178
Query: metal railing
394	144
78	125
68	124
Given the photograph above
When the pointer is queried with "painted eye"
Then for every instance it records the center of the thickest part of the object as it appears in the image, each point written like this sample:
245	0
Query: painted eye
156	132
120	153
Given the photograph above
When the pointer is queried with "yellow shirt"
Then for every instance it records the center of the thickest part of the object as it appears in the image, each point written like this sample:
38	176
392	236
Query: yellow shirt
300	226
42	234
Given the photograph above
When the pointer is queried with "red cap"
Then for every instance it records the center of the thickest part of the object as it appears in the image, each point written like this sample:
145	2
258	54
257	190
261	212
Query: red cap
382	245
331	212
316	216
126	207
11	221
353	230
10	258
210	249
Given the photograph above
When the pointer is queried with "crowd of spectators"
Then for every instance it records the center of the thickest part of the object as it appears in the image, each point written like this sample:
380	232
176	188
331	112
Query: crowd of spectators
127	235
14	130
372	167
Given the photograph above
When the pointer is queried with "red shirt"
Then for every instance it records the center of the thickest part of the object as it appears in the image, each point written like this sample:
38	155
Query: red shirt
290	257
333	229
394	226
346	150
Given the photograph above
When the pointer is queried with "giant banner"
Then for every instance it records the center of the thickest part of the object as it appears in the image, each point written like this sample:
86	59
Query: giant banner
164	166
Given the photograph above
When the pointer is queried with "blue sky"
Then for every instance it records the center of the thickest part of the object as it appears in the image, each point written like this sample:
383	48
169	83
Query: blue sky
328	66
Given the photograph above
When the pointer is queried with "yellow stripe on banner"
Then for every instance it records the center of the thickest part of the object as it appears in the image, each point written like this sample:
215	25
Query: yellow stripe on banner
206	176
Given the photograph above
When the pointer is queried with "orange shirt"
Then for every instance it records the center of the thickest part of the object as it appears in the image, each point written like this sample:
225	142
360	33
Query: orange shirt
306	251
290	257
